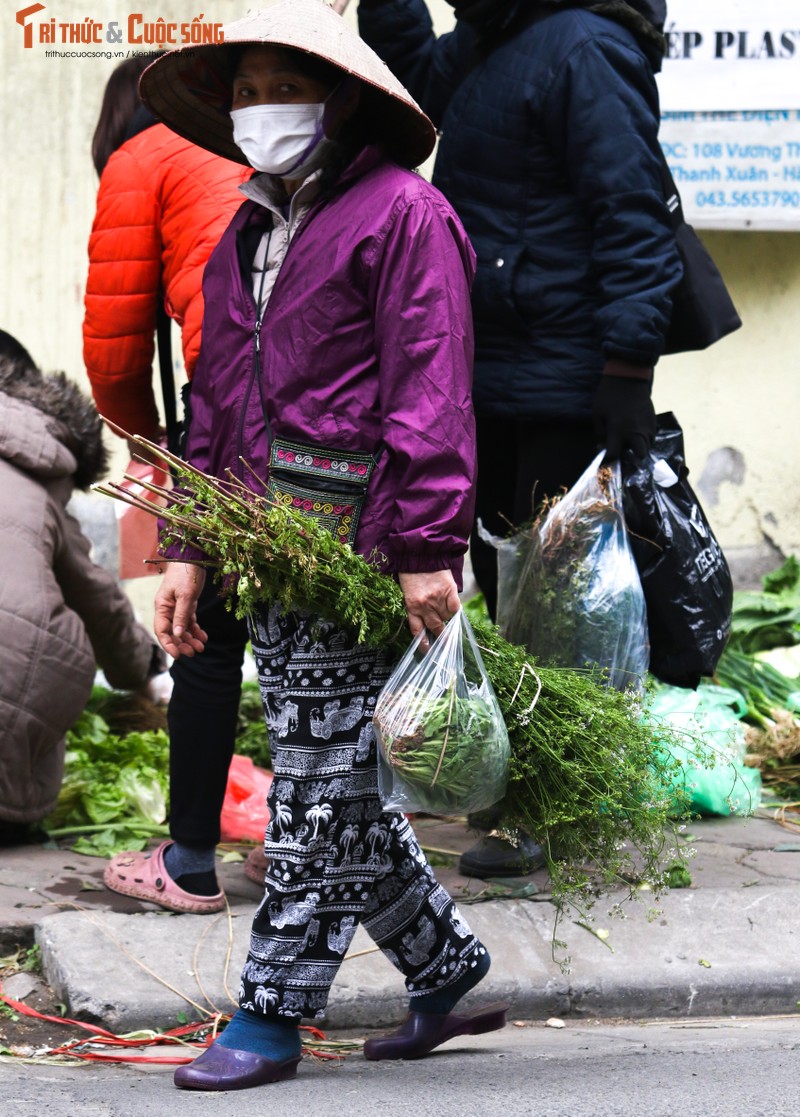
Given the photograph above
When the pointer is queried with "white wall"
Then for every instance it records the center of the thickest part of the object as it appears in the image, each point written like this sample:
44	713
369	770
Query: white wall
739	404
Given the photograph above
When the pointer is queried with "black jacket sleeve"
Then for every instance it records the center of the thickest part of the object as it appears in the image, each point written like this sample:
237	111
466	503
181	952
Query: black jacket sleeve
431	68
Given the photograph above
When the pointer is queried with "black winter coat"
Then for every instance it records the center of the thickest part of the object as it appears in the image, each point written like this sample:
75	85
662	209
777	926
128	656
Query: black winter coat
549	154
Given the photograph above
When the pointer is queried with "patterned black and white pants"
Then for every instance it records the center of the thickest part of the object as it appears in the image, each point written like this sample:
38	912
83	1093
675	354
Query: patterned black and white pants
336	858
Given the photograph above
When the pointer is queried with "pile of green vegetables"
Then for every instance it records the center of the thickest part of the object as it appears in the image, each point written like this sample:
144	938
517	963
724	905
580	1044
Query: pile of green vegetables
115	793
584	779
762	663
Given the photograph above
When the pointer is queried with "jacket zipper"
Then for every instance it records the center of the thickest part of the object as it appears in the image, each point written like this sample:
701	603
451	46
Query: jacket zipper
256	369
342	488
259	322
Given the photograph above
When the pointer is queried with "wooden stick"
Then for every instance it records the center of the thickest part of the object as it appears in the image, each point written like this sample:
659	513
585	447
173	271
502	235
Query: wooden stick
339	6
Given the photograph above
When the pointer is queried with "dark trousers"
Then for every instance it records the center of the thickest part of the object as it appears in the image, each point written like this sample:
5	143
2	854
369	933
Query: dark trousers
520	463
202	719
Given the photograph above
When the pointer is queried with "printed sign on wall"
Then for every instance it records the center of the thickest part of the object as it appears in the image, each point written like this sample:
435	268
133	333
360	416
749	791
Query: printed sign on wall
736	170
730	98
724	55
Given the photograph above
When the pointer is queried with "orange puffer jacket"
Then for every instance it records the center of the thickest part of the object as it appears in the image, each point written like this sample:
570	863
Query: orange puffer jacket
162	205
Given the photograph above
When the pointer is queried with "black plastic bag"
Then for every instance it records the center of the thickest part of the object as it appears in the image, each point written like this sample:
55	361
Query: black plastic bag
687	584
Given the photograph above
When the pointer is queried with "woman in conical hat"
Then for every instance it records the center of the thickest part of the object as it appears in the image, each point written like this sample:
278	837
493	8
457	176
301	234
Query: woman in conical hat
336	362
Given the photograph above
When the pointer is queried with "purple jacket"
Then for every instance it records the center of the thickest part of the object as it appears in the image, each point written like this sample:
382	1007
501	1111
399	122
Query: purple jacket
366	345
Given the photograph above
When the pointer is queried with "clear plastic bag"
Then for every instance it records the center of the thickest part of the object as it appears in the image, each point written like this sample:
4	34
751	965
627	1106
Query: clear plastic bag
568	587
442	743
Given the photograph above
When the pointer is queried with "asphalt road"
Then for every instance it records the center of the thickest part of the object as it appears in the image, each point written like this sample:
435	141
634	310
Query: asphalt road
700	1068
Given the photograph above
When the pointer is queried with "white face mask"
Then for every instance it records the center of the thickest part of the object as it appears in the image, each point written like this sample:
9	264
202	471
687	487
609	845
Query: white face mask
278	139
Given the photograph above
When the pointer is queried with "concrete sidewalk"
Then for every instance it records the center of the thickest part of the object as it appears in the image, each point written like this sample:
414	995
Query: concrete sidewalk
728	945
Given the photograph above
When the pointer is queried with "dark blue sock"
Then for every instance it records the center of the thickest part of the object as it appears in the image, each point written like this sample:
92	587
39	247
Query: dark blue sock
273	1037
192	869
444	1000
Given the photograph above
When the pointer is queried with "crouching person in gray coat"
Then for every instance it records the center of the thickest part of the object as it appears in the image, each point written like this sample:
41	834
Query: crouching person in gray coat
61	614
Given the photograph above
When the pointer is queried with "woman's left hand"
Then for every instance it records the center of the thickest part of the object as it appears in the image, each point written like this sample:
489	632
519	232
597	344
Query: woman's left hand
431	600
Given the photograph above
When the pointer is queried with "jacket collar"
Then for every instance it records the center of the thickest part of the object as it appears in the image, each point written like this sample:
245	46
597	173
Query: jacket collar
267	190
368	158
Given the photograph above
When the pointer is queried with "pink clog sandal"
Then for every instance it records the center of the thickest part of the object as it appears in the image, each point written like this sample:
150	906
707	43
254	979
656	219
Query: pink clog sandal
255	867
143	875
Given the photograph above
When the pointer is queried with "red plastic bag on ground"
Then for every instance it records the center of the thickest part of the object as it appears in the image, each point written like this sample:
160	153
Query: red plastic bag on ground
138	530
244	810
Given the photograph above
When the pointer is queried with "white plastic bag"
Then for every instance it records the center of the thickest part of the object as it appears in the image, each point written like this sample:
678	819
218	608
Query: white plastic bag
442	742
568	587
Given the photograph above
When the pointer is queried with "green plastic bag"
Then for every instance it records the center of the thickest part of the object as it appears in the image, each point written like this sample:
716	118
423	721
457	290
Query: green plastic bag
706	738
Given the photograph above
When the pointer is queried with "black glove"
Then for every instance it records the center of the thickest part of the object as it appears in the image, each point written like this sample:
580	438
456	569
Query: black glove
624	416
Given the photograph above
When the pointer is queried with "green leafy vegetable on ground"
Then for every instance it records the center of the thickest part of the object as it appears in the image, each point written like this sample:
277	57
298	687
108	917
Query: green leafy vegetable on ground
251	729
771	618
114	792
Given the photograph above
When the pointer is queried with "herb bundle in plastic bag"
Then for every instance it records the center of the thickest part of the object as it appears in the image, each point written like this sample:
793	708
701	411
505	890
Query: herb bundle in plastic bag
443	742
569	590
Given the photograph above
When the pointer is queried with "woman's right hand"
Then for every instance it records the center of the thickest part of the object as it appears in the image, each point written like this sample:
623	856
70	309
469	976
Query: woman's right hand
175	624
431	600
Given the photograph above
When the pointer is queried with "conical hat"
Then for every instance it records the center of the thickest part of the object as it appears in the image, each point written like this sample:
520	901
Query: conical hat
190	89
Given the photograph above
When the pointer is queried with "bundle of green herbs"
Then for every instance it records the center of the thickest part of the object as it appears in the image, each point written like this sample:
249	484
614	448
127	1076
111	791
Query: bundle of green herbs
765	689
585	780
568	588
439	749
551	564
